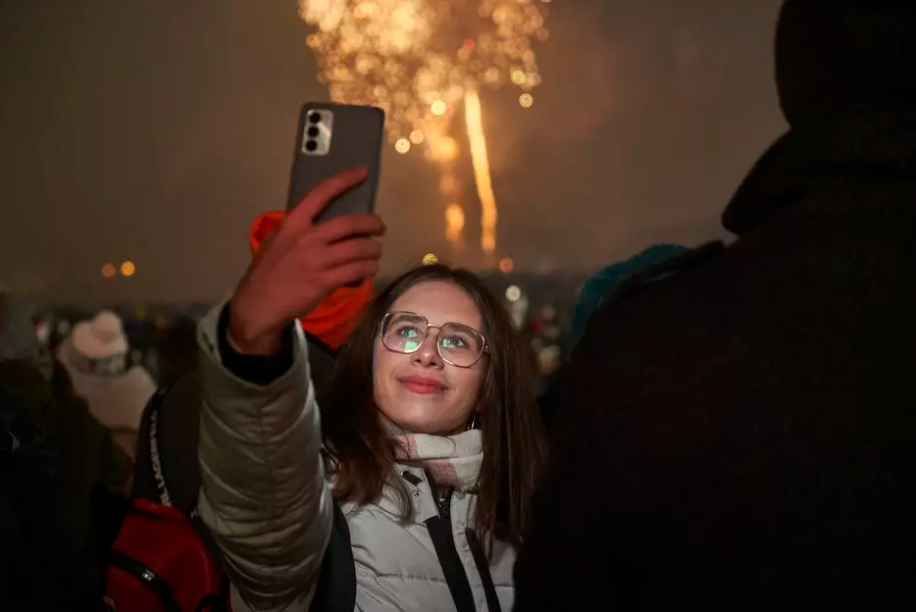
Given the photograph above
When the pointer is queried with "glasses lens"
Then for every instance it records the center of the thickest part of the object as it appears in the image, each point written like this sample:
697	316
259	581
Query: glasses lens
403	331
460	345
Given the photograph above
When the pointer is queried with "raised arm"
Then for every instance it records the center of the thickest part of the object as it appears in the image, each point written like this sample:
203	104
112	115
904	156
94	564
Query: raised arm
263	495
263	492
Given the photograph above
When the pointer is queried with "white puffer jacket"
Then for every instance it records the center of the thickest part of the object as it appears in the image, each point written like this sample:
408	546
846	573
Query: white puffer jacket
265	497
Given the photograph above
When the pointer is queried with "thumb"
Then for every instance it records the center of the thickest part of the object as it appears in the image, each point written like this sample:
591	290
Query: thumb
322	194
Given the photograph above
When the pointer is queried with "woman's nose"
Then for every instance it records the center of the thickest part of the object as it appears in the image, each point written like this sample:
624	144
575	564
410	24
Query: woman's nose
428	355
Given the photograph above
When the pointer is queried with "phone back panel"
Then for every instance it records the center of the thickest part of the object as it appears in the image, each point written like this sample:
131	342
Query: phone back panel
332	138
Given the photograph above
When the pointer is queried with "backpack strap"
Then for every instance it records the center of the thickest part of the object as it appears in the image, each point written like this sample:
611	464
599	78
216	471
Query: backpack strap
483	568
211	601
336	588
146	576
162	490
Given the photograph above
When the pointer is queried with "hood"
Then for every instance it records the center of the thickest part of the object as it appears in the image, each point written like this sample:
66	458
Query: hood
334	319
862	165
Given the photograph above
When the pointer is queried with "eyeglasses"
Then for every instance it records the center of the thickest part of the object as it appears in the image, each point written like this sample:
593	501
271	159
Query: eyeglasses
457	344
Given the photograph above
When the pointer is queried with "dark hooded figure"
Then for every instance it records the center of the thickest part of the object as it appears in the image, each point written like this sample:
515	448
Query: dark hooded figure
742	434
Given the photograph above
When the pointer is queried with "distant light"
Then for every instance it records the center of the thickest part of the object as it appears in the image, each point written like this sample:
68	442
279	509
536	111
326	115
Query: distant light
417	137
438	107
506	265
109	271
526	100
519	77
513	293
128	269
430	259
402	146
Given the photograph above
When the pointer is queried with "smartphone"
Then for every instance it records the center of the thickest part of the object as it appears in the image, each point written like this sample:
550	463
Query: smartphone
333	138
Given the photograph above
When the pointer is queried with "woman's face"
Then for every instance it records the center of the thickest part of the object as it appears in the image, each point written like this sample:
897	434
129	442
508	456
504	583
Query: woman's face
419	391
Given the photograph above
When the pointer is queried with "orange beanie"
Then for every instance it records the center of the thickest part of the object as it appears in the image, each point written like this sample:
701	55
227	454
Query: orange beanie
334	319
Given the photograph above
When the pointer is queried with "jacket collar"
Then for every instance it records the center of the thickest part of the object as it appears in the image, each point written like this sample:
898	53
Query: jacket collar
422	497
863	164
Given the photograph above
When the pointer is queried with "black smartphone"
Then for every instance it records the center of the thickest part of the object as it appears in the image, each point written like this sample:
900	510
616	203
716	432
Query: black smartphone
333	138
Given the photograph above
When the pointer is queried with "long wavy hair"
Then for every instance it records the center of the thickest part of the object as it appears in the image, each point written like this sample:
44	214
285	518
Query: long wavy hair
362	457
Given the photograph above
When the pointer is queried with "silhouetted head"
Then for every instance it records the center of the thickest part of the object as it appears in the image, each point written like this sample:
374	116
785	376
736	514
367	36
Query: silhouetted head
840	57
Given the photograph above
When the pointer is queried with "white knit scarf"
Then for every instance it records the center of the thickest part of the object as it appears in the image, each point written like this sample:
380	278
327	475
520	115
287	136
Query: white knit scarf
453	461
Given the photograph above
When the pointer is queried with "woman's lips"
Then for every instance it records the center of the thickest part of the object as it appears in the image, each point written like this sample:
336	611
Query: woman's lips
422	385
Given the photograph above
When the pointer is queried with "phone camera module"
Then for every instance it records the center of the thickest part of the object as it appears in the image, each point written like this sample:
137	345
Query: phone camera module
313	132
311	145
315	117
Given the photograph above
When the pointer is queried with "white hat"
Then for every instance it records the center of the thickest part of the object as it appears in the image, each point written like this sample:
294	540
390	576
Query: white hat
101	338
95	357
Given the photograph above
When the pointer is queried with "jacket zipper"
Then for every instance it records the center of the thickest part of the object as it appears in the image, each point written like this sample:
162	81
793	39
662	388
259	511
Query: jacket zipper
445	506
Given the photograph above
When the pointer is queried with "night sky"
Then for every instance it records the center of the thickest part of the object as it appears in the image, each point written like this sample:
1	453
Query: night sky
156	132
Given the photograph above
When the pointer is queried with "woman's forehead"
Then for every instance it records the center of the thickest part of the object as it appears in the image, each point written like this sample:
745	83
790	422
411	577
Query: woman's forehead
440	302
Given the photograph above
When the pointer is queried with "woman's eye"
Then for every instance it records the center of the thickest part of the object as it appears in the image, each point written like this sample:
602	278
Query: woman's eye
408	332
454	342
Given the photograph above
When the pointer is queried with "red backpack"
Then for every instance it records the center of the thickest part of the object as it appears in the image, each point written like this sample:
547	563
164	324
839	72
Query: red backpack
161	560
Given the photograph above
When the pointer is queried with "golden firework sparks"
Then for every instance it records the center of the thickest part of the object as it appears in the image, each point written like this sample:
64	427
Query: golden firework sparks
420	60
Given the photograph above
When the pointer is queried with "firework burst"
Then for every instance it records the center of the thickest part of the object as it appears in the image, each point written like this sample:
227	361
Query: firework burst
421	61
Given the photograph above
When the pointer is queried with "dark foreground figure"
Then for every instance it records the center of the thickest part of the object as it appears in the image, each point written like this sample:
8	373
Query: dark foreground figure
742	435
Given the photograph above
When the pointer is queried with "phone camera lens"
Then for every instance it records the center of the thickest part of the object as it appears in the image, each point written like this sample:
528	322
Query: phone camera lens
313	132
315	117
311	145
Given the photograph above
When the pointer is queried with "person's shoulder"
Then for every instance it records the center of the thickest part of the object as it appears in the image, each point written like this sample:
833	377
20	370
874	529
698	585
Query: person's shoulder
670	267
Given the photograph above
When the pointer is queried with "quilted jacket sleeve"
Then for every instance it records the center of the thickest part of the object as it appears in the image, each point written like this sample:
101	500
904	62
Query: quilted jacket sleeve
263	492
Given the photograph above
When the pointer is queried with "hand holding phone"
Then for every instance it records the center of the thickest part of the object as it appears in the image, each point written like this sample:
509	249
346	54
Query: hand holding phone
302	263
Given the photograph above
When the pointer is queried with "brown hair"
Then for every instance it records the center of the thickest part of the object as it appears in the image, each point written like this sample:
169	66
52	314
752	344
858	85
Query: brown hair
362	457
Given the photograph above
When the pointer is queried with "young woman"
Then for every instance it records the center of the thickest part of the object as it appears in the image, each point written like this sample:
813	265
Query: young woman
429	439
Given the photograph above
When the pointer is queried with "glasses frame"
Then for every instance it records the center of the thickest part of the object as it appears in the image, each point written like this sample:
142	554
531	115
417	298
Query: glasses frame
392	313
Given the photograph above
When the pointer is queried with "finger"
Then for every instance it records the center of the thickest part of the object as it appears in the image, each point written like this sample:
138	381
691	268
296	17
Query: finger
349	251
320	195
345	226
265	244
351	273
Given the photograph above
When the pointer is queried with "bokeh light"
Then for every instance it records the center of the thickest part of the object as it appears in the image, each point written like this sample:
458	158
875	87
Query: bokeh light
513	293
506	265
430	259
128	269
402	146
417	137
526	100
109	271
